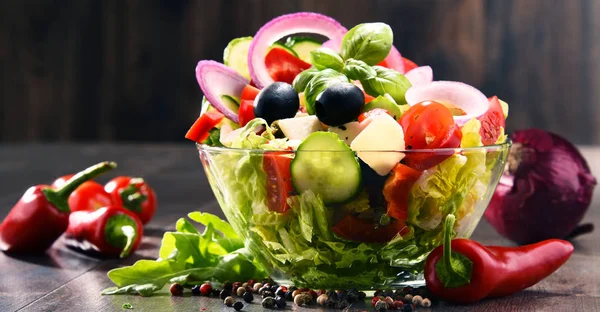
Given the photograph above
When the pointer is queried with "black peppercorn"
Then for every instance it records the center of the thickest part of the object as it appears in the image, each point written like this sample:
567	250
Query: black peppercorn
238	306
225	293
248	297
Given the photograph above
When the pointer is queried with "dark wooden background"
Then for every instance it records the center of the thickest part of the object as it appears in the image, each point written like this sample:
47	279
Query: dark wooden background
115	70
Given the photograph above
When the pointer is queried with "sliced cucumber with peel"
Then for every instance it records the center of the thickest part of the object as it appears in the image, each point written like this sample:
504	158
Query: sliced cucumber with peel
302	46
231	102
282	46
326	166
236	55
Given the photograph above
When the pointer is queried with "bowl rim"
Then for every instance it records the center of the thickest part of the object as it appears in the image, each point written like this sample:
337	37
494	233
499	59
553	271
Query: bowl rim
440	151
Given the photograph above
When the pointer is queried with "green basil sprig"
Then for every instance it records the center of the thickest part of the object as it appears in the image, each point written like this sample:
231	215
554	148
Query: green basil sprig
387	81
358	70
369	42
303	78
321	81
326	58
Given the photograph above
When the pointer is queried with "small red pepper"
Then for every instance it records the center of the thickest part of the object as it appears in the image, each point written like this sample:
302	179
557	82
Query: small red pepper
42	214
464	271
134	194
109	231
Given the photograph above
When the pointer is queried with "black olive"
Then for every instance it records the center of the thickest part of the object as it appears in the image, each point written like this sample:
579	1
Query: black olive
277	101
248	297
339	104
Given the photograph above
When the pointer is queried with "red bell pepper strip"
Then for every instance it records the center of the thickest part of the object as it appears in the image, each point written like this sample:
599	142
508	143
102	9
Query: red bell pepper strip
283	66
397	189
134	194
109	231
408	65
464	271
42	214
249	93
201	128
246	112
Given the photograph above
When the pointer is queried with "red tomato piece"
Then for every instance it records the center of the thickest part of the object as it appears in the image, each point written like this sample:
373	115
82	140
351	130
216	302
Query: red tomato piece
373	112
89	196
396	190
429	125
279	179
249	93
359	230
246	112
283	66
383	64
491	122
58	183
133	194
200	129
408	65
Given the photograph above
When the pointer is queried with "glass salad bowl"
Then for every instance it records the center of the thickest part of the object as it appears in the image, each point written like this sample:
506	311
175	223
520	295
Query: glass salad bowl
353	227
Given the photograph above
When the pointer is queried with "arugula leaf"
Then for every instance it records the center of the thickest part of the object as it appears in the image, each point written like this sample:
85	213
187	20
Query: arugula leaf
369	42
387	81
326	58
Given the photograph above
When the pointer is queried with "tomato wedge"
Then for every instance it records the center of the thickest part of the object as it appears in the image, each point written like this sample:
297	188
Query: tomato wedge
246	112
359	230
491	122
408	65
279	179
283	66
200	129
429	125
396	190
249	93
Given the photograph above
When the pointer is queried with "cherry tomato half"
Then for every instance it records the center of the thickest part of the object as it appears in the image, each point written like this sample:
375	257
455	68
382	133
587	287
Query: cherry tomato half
279	179
134	194
89	196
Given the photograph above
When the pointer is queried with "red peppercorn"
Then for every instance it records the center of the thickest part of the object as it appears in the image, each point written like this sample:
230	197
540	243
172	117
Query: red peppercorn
398	304
304	289
321	291
389	300
313	294
205	289
375	299
176	289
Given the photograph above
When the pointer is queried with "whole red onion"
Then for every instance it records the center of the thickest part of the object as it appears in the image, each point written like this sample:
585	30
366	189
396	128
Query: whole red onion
545	191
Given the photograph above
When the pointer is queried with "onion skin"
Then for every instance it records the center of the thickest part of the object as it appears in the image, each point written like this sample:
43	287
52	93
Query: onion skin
545	192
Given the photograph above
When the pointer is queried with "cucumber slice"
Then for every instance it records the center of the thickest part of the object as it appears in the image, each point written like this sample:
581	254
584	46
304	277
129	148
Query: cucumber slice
328	167
236	55
303	46
206	107
282	46
231	103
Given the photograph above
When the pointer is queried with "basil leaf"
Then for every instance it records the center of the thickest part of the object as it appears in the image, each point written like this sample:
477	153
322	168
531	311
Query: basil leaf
326	58
318	84
387	81
358	70
303	78
369	42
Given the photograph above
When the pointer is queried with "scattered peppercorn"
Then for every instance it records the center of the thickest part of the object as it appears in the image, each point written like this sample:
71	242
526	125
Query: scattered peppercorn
426	303
224	294
176	289
280	302
238	306
381	306
352	296
417	300
228	285
281	290
322	299
299	299
378	293
332	295
257	286
229	301
268	293
289	295
388	300
263	289
292	288
236	285
245	285
241	291
375	300
206	289
407	308
362	295
215	292
304	289
342	304
398	304
408	297
127	306
313	294
268	303
248	297
196	290
296	293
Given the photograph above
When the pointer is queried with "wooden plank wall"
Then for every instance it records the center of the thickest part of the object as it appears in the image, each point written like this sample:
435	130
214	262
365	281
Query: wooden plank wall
123	70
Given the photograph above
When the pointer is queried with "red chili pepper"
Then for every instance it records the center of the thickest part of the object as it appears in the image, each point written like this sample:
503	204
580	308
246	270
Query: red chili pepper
468	271
42	214
109	231
134	194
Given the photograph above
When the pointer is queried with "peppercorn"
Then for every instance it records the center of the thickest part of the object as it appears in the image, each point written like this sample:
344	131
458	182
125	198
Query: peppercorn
289	295
331	304
342	304
229	301
206	289
176	289
389	300
196	290
238	306
352	296
398	304
407	308
313	294
241	291
214	292
381	306
256	287
322	299
292	288
378	293
417	300
304	289
268	293
407	290
362	295
280	291
296	293
224	294
228	285
341	293
236	285
268	303
248	297
280	302
375	300
426	303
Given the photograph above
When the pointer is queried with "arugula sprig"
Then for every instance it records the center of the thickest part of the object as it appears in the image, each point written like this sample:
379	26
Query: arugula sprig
189	257
363	47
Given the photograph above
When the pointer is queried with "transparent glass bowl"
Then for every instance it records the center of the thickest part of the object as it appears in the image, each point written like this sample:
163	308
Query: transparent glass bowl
353	244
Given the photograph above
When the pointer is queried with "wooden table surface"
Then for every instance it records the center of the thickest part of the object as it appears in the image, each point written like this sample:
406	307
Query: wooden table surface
64	280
